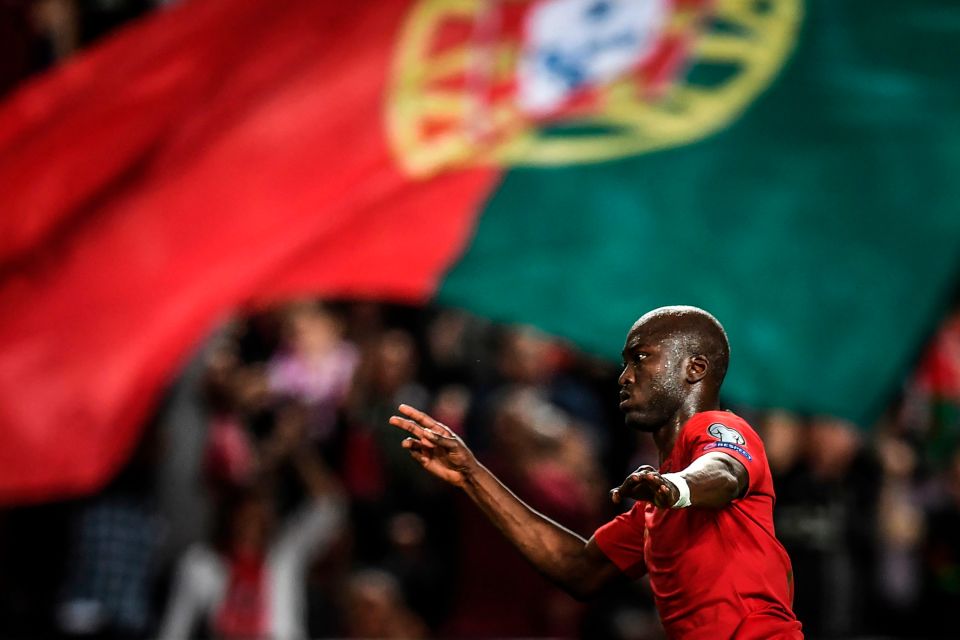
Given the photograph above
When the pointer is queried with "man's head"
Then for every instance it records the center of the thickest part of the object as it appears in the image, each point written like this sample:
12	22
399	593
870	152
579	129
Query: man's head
672	355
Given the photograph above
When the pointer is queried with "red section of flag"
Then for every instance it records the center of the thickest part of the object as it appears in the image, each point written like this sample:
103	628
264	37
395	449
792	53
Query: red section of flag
217	153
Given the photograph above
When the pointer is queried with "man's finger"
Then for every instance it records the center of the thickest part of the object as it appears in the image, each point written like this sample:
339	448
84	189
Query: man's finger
412	444
436	432
424	436
449	443
424	420
643	484
659	488
632	481
664	495
417	416
653	481
409	426
419	457
402	423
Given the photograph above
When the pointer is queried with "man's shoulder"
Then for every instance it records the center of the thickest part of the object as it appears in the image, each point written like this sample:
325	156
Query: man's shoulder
722	425
722	431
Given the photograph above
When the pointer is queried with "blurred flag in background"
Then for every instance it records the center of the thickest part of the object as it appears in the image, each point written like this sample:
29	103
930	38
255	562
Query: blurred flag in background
566	163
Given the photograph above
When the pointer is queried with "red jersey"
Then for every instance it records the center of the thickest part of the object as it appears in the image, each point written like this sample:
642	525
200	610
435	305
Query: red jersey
715	573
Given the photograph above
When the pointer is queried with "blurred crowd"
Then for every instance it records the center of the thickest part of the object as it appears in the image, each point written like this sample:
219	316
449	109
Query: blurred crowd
37	34
269	497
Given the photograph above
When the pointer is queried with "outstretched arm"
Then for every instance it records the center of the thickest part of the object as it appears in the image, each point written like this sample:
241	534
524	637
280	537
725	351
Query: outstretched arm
575	564
714	479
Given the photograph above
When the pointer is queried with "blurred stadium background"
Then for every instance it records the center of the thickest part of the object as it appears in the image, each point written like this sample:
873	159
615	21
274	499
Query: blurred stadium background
788	165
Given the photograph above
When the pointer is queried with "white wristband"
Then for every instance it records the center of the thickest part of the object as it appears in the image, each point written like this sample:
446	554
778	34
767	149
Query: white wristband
681	484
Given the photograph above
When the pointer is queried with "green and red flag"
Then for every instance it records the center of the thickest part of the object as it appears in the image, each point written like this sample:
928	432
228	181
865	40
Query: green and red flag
787	164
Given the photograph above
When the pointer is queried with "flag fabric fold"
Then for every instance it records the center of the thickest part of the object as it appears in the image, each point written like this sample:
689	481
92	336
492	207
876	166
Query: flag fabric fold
214	155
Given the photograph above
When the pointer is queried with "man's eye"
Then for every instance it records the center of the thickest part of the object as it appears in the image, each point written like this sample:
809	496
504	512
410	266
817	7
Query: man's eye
634	359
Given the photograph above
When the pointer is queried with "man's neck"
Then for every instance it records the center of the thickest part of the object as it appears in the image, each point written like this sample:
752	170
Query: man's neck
666	436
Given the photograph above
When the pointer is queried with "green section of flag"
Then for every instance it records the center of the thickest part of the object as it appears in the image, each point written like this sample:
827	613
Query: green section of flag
822	227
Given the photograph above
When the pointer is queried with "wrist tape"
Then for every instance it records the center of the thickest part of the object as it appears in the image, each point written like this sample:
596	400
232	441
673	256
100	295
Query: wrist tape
681	484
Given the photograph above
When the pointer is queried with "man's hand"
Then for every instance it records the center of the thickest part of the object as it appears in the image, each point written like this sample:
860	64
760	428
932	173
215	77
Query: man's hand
647	485
438	449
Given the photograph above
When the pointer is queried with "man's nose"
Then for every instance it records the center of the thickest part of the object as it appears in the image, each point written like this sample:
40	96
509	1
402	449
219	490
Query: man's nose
626	376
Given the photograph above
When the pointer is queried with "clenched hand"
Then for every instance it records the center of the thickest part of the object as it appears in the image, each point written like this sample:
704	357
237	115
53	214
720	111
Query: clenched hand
647	485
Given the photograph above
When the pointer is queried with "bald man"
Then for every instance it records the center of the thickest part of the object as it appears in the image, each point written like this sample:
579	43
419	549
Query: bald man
702	526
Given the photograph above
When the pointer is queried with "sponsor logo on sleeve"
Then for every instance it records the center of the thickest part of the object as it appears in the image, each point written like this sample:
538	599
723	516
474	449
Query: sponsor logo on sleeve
727	438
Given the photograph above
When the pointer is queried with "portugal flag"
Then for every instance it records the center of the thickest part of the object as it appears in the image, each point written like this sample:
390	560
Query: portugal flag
790	165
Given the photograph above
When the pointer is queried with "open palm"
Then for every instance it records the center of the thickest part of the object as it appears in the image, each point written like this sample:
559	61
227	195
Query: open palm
438	449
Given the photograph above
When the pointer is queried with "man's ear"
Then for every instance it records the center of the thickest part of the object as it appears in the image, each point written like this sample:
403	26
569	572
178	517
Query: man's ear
697	367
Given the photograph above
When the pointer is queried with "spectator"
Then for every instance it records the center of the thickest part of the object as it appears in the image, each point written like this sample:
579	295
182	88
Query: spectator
375	608
550	463
235	394
315	366
251	583
112	565
386	378
941	558
826	518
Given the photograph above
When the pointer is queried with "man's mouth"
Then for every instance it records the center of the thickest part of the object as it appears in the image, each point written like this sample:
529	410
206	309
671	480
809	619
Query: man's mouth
624	399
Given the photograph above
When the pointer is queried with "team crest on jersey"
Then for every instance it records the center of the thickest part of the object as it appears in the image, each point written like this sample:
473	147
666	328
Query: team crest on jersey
541	82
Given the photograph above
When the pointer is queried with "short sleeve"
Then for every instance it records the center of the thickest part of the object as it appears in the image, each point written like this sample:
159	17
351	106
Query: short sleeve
621	540
734	437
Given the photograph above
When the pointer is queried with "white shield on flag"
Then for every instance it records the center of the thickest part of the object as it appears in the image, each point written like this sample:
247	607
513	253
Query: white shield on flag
570	45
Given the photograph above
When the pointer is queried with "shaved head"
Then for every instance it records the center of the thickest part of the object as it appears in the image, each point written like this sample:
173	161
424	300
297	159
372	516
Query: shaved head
695	332
675	359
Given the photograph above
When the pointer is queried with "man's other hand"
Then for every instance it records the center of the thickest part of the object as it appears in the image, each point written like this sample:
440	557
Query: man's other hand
647	485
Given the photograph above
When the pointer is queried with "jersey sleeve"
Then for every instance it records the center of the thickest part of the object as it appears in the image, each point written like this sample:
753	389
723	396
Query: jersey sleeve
621	540
733	437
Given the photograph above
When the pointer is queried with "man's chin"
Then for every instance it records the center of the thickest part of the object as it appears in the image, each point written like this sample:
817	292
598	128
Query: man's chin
639	421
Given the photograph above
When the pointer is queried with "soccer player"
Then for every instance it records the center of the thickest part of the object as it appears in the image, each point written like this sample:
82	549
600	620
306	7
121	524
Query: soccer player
702	526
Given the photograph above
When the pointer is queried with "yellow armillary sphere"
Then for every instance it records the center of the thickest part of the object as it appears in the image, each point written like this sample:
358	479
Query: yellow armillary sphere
558	82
